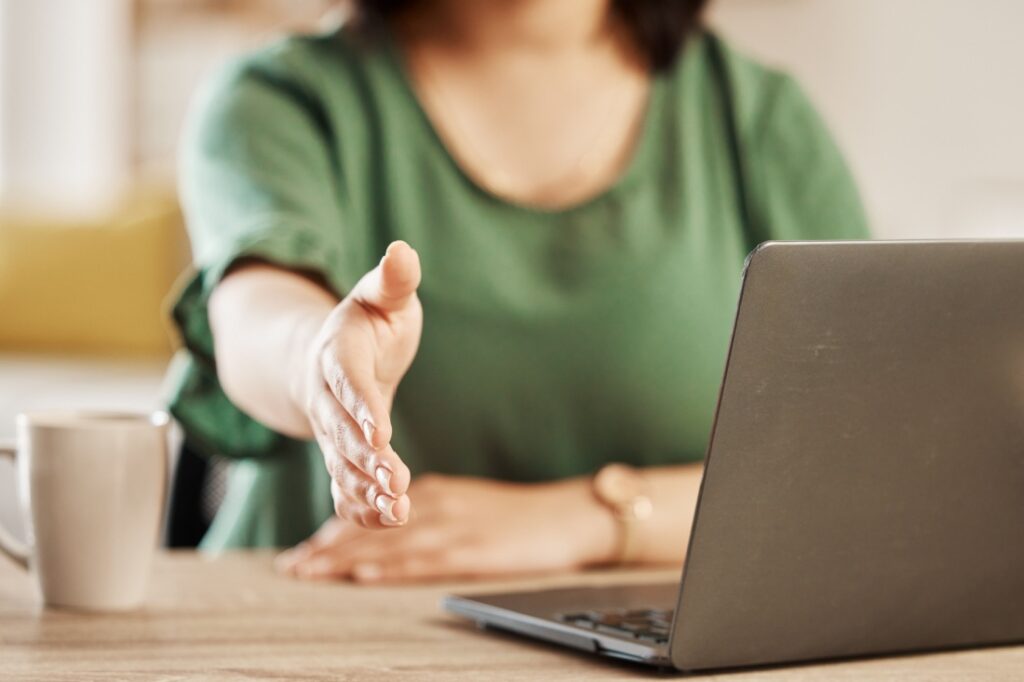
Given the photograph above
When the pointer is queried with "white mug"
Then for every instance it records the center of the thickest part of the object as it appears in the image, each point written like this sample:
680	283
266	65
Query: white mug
92	488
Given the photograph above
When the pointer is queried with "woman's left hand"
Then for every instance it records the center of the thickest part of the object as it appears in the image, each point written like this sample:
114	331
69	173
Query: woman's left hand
465	527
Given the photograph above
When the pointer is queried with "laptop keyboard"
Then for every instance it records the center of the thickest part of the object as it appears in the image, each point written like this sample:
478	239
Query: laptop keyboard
647	625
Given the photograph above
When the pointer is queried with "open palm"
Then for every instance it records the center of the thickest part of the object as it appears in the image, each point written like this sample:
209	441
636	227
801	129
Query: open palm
363	350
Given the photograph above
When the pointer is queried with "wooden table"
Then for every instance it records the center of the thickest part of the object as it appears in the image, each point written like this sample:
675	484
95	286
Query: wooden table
233	618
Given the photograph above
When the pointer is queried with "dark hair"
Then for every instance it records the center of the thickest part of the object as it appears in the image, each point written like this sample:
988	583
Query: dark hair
659	26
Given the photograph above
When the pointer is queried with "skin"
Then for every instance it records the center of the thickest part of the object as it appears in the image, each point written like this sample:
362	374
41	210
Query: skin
310	366
490	75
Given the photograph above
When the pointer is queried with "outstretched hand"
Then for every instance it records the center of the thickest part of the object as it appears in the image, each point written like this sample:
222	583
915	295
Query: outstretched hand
354	365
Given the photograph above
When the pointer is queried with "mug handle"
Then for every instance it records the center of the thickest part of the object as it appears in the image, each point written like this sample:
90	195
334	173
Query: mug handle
9	545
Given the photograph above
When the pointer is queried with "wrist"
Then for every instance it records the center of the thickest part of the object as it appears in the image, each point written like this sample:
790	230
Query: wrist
590	524
625	492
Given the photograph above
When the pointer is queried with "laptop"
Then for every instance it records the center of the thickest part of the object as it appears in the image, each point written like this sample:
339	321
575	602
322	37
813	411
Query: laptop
863	491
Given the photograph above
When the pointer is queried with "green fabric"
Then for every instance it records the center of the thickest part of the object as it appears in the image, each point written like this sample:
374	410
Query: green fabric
553	341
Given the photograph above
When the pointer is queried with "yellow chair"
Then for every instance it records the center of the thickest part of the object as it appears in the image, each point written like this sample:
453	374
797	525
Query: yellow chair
96	287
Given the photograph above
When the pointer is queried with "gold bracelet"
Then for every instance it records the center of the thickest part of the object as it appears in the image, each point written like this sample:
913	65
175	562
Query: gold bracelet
623	491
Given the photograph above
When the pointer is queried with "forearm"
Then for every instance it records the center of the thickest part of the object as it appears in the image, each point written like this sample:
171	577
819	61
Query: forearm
264	320
662	538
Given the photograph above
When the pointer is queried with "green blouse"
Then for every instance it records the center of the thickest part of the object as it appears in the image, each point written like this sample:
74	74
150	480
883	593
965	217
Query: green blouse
553	341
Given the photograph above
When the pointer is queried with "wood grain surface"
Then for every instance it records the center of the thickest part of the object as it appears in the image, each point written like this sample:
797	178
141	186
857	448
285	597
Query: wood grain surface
233	618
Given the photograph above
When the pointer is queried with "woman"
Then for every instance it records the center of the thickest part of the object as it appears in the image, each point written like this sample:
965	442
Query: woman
564	193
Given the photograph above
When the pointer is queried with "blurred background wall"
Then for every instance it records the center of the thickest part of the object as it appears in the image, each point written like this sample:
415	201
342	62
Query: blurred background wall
924	96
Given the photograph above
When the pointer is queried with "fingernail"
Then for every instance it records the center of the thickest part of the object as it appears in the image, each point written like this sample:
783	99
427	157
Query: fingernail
368	432
383	503
366	572
383	476
386	521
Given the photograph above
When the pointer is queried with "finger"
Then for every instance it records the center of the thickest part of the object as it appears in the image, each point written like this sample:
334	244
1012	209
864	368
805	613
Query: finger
336	464
344	506
438	564
364	503
398	512
356	390
340	470
332	462
346	446
332	533
391	285
372	549
336	560
322	566
363	500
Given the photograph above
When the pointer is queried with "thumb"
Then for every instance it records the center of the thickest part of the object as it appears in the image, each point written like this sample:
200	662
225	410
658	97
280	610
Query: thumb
391	285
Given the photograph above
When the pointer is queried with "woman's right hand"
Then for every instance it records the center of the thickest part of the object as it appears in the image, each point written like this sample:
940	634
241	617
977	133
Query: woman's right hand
353	367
